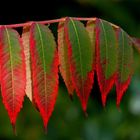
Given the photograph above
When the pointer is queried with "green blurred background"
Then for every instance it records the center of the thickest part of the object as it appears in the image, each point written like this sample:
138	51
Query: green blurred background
68	121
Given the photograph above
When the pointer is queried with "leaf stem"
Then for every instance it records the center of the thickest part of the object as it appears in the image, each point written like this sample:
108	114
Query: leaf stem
46	22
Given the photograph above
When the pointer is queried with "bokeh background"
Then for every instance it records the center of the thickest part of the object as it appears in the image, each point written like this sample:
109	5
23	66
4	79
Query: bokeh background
68	121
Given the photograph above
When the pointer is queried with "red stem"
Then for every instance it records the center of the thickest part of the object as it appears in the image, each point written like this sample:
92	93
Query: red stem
45	22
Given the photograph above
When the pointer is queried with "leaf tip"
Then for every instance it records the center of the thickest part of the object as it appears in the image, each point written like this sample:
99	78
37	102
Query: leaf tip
71	97
45	129
45	123
104	100
85	114
119	98
14	129
121	88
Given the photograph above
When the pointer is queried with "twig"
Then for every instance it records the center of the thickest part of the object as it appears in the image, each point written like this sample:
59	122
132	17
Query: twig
46	22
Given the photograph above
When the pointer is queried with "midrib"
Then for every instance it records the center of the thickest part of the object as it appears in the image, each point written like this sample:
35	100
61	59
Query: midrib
11	65
122	55
79	48
104	33
44	63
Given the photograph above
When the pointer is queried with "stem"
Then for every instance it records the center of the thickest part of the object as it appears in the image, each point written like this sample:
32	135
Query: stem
83	19
136	42
46	22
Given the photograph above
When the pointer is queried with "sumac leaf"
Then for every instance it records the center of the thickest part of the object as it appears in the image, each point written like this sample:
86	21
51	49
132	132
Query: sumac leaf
44	57
63	59
80	55
125	63
106	57
26	45
13	77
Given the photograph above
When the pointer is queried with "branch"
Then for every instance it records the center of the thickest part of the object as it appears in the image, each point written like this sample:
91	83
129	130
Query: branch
46	22
135	41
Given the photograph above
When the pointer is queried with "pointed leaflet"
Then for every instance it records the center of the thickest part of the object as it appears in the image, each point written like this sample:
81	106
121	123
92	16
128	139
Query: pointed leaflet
63	59
106	57
26	45
125	63
44	60
81	58
12	71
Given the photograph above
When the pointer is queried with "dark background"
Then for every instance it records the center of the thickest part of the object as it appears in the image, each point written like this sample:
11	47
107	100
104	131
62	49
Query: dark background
68	121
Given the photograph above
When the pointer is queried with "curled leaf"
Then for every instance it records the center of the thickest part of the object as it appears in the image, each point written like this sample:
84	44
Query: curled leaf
26	45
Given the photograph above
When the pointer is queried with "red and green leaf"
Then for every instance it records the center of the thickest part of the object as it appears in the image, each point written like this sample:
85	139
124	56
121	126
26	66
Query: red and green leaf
106	57
63	59
30	63
80	55
125	63
44	59
12	72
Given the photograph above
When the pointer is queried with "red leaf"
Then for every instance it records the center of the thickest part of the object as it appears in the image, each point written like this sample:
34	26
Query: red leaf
63	59
44	59
12	72
121	88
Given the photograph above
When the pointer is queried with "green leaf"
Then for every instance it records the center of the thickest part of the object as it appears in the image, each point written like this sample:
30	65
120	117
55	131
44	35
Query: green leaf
125	63
106	57
81	58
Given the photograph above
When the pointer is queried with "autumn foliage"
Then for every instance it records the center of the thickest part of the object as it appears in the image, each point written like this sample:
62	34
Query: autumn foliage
30	63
